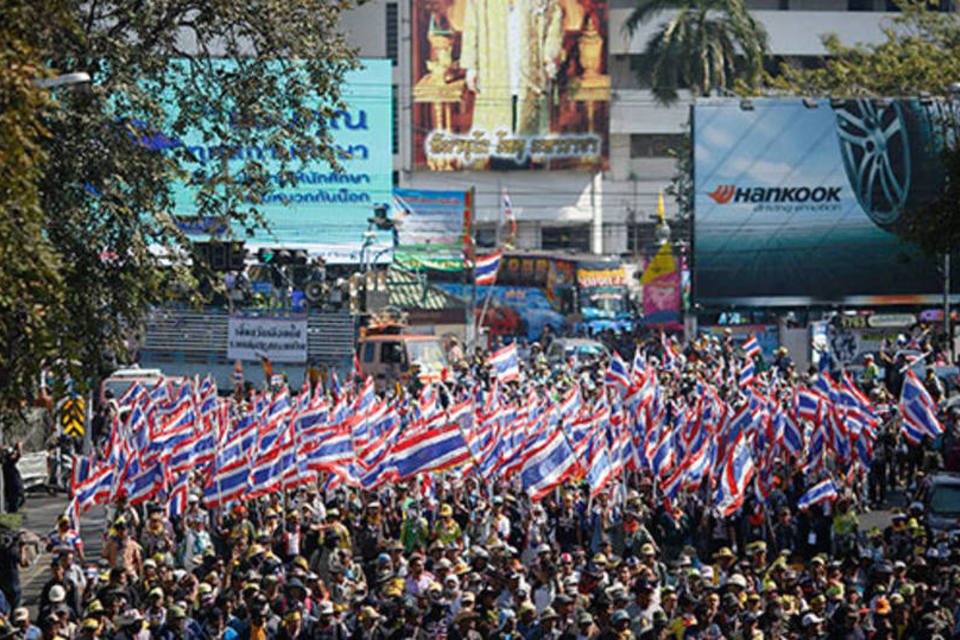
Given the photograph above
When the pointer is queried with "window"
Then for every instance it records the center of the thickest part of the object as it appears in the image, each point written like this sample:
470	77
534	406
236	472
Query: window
391	353
654	145
393	31
575	238
368	351
395	124
485	237
859	5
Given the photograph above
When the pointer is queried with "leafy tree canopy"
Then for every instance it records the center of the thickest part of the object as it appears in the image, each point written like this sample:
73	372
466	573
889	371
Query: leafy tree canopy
919	56
86	232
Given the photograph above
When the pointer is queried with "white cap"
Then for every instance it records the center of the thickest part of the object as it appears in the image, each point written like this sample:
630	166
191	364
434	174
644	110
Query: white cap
57	594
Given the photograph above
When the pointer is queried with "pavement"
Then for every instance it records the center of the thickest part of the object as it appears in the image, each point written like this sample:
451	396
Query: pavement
40	514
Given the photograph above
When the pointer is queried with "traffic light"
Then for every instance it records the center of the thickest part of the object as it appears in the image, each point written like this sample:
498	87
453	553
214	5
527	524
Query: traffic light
221	256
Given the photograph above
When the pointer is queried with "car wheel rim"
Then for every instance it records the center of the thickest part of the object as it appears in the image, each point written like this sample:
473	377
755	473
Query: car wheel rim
876	155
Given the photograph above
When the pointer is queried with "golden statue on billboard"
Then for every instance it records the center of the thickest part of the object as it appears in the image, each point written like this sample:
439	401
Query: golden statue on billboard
502	73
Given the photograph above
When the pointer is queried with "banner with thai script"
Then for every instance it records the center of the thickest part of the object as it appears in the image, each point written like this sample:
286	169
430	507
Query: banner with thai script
510	84
279	339
430	228
323	206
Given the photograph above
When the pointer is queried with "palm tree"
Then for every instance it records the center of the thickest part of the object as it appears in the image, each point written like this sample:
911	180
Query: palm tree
705	44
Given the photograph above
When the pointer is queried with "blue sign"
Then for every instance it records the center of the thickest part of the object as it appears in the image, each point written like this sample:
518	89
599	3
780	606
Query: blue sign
802	202
323	207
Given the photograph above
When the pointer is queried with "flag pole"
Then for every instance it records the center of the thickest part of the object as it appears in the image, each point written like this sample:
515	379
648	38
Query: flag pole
472	259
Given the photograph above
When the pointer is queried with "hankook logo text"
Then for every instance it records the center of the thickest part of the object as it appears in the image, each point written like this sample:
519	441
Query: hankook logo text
725	193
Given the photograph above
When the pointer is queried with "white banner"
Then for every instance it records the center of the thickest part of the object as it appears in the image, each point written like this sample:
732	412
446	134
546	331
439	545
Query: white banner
280	339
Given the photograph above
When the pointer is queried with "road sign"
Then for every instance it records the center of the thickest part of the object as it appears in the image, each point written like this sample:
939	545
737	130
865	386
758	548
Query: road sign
72	416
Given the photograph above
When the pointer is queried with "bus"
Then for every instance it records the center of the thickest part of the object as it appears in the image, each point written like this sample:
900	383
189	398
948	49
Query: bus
539	289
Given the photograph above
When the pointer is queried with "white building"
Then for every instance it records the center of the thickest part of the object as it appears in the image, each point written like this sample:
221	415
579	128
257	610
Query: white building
611	211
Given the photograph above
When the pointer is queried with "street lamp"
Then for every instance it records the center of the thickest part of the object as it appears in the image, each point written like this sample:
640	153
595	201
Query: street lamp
63	80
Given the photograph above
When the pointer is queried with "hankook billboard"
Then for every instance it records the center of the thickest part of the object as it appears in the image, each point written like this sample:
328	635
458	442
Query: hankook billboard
801	201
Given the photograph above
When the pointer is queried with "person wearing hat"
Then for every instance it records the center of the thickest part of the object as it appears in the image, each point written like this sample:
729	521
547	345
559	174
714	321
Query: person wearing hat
123	552
156	538
156	611
723	561
414	529
21	620
129	626
59	590
371	537
196	541
89	629
335	532
65	535
447	529
179	626
292	626
619	627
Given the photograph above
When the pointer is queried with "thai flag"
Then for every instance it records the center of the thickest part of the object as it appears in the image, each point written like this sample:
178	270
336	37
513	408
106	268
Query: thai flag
549	467
751	347
505	363
94	489
736	475
919	411
807	405
433	449
486	267
204	449
601	468
334	451
143	484
227	484
792	434
177	502
748	375
508	213
368	394
664	456
824	491
639	364
617	373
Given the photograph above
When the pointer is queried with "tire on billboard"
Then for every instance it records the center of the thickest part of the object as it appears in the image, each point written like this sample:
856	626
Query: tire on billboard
891	154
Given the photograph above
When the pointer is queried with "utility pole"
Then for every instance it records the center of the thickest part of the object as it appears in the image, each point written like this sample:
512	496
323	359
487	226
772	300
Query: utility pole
946	304
471	262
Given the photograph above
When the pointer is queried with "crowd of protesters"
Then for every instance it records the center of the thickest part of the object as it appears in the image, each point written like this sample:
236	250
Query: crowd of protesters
456	557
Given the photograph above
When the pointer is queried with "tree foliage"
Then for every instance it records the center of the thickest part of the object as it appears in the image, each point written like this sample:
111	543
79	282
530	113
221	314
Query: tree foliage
703	44
84	190
919	56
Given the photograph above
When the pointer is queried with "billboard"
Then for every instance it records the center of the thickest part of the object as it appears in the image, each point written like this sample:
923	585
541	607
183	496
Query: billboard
430	228
324	208
510	84
279	339
801	202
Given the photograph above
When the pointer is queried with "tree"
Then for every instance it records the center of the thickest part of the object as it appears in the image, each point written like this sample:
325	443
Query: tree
919	56
99	164
703	44
30	283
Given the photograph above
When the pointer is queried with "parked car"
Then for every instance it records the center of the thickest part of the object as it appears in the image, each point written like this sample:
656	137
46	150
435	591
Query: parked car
942	501
562	349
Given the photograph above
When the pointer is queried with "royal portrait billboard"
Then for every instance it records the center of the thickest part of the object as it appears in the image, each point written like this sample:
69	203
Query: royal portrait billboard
510	84
804	202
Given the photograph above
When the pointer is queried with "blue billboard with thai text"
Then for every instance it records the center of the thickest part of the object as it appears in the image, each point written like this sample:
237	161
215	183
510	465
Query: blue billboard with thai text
324	207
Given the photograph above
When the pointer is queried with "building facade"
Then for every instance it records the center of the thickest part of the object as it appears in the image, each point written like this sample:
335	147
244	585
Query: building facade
611	211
